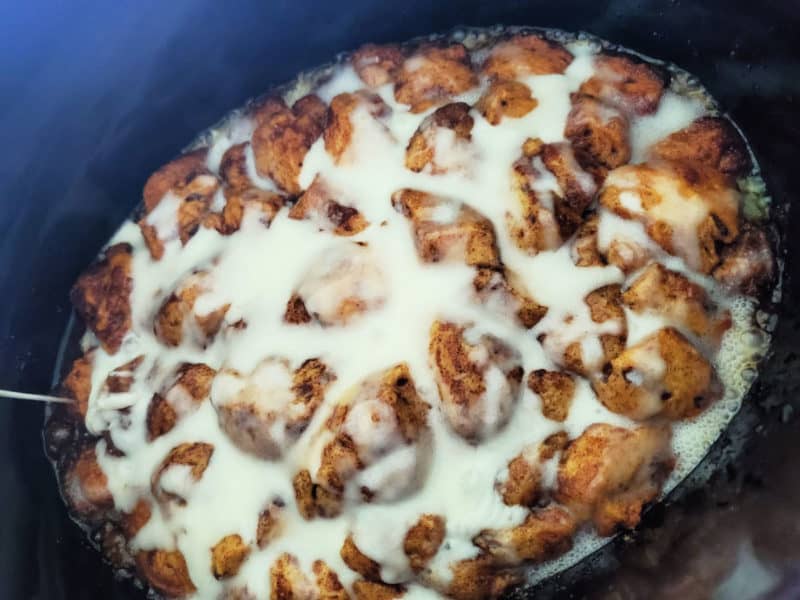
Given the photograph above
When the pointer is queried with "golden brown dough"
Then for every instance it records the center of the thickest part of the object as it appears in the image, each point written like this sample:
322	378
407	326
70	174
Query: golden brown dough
323	205
525	55
626	83
503	292
387	402
432	75
78	384
233	168
229	220
522	486
506	99
269	523
377	65
371	590
227	556
358	561
166	571
463	371
291	400
421	150
174	176
585	252
185	394
422	541
555	389
661	375
687	209
599	135
669	293
545	534
445	230
478	579
194	455
101	296
177	316
710	141
338	133
283	137
610	473
288	582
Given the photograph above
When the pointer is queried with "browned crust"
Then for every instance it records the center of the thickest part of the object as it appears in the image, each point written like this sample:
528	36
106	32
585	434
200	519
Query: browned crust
470	237
710	141
423	539
610	473
599	135
377	65
78	384
233	168
321	203
338	133
228	555
372	590
101	296
283	137
192	454
432	75
555	389
174	175
748	264
524	55
358	561
493	286
686	388
506	99
625	82
166	571
420	150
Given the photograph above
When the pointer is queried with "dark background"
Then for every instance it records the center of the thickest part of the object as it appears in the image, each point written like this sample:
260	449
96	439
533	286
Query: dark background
95	95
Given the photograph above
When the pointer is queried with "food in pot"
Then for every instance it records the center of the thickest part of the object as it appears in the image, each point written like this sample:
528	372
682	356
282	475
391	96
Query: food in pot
434	320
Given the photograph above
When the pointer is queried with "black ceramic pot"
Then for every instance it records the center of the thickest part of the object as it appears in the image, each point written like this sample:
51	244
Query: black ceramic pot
95	96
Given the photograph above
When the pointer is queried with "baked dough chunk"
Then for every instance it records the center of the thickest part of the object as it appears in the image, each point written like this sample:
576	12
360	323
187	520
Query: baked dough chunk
553	191
102	296
478	378
233	168
183	394
264	412
746	266
85	486
609	474
625	83
502	292
377	65
229	220
525	55
77	385
477	579
177	198
288	581
433	75
166	571
270	522
506	99
372	446
585	350
688	210
344	283
177	318
555	390
709	141
545	533
448	231
584	250
183	466
523	484
441	142
283	137
324	205
660	290
599	135
228	555
338	133
372	590
420	544
661	375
